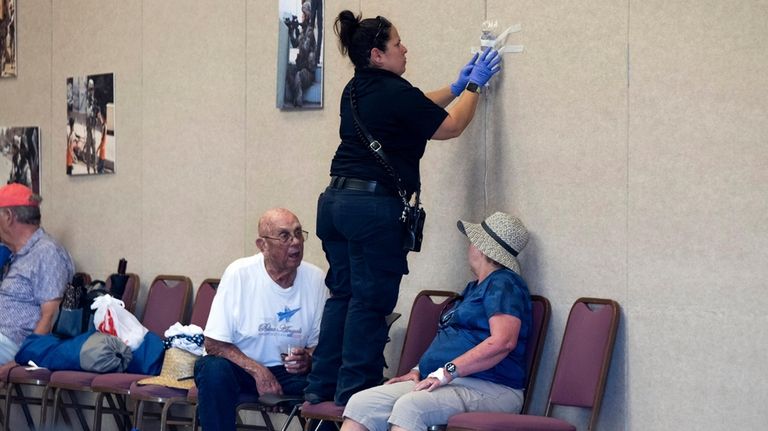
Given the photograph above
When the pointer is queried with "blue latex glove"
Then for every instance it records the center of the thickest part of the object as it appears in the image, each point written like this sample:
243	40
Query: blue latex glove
463	79
486	66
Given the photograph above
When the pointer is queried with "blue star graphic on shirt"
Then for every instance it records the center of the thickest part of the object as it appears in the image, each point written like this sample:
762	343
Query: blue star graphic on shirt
286	314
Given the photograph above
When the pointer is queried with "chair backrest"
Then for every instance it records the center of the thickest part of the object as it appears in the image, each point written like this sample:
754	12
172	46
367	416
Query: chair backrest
541	310
585	355
83	276
167	302
131	292
422	326
203	302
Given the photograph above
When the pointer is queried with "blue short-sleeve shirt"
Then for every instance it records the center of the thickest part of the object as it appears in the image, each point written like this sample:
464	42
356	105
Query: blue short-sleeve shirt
467	324
38	273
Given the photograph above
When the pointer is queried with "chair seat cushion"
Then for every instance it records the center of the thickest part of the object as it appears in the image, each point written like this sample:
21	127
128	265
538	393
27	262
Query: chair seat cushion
156	392
38	376
327	410
485	421
116	382
72	379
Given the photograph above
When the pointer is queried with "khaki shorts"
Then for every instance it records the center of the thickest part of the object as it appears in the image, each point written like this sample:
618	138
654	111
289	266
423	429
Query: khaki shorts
8	349
398	404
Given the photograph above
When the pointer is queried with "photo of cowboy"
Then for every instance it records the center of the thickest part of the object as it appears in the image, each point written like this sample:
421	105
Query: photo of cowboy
300	55
90	125
7	38
20	161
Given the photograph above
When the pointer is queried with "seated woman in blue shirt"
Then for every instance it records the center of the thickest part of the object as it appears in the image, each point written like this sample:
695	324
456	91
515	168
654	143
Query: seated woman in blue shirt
477	359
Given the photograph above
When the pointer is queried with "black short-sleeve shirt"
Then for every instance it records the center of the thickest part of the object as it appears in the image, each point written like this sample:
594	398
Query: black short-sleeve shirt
398	115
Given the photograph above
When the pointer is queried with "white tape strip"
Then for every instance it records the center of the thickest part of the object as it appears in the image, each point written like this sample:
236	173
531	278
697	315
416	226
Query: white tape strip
498	43
514	28
511	49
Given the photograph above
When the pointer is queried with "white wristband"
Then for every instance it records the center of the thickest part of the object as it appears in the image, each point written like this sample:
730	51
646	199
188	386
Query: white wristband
439	374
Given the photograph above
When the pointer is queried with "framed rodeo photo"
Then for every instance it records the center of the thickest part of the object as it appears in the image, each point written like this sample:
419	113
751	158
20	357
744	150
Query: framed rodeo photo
7	38
300	55
20	161
90	142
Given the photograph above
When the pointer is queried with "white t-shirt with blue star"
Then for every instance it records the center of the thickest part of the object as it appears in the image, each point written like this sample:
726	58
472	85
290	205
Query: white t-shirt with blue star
258	316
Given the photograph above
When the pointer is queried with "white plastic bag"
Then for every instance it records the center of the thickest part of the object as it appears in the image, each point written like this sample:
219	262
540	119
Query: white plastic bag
112	318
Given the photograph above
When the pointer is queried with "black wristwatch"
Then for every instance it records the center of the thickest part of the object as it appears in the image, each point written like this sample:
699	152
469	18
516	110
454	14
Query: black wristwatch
450	368
473	87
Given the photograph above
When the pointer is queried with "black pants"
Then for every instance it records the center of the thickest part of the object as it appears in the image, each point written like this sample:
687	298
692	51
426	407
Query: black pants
220	383
363	241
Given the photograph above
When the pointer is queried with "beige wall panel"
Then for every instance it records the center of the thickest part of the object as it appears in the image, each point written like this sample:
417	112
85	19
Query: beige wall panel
556	144
25	99
193	114
694	366
698	227
699	161
99	217
555	151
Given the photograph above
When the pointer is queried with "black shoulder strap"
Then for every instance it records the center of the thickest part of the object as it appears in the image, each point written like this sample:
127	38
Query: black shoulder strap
375	147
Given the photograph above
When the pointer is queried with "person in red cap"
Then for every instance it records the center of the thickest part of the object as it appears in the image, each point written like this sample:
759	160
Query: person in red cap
35	276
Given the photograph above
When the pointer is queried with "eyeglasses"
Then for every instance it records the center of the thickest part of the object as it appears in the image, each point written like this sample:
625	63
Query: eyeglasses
286	237
449	311
378	30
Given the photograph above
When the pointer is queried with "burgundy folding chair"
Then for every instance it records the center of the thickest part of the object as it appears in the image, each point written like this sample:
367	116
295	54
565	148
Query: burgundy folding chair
580	373
422	327
14	393
131	292
19	377
541	310
166	396
166	304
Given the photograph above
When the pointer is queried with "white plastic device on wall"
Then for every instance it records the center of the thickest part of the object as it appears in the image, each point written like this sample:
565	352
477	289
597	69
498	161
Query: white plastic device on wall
488	38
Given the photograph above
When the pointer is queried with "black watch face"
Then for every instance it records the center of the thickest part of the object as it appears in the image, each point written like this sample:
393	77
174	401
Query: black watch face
450	367
473	87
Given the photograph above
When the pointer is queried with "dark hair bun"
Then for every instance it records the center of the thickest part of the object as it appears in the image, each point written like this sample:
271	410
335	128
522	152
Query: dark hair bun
346	26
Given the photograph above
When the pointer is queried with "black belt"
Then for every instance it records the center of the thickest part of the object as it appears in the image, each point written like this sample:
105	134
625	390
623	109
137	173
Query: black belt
346	183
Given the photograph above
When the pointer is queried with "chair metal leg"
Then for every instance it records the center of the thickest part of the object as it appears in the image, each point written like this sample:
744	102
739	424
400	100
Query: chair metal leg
122	403
137	419
293	414
24	407
56	406
97	411
122	420
43	407
164	416
267	421
78	410
7	405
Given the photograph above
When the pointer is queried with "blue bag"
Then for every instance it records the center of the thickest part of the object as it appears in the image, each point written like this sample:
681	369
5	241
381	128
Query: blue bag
49	351
148	357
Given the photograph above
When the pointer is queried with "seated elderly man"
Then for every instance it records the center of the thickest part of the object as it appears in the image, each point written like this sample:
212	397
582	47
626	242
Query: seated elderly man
35	275
264	304
477	359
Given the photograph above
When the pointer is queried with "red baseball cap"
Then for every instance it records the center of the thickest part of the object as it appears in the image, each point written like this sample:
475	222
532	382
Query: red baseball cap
17	195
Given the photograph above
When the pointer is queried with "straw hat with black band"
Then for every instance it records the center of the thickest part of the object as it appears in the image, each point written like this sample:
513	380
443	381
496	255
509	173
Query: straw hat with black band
500	237
177	372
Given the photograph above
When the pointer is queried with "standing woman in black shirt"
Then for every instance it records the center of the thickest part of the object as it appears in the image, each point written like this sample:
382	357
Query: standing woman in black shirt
358	215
